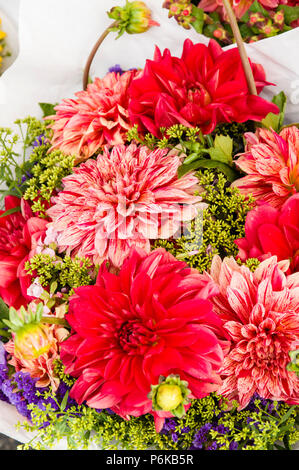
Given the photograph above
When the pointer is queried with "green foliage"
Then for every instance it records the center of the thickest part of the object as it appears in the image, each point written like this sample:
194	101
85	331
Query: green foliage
275	121
48	170
17	320
65	272
214	151
48	109
214	231
14	166
82	426
293	365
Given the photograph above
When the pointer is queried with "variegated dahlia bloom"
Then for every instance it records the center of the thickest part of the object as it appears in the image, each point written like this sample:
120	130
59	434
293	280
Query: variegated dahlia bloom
124	198
260	311
96	117
271	164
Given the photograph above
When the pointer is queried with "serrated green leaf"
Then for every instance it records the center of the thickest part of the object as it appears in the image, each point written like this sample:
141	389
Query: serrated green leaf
222	150
47	109
275	121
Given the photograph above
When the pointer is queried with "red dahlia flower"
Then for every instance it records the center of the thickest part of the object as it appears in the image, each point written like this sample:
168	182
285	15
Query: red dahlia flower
270	231
152	319
19	233
204	87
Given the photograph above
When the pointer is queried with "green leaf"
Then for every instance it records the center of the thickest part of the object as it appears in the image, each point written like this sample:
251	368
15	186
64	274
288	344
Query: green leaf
11	211
275	121
205	163
286	441
223	149
47	108
290	13
198	14
256	7
4	310
64	401
286	416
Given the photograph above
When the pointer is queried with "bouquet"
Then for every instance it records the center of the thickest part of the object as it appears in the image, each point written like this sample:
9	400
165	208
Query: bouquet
257	19
150	258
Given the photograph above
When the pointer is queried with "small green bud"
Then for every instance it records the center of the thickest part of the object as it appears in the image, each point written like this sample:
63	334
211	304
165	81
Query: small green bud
294	364
133	18
171	394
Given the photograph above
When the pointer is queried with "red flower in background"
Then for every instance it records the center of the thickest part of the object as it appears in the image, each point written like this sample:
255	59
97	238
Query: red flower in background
152	319
19	233
204	87
272	232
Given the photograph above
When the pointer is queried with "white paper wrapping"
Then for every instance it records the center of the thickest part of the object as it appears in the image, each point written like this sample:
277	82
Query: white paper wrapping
55	39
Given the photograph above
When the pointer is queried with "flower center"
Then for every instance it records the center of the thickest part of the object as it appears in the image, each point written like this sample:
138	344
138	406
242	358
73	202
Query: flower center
134	337
198	94
267	352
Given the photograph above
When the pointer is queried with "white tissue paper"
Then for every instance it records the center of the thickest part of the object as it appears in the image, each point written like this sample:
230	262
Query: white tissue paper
55	39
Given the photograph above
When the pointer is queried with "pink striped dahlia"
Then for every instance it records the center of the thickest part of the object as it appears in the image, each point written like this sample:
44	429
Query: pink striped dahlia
271	162
152	319
260	312
124	198
272	232
96	117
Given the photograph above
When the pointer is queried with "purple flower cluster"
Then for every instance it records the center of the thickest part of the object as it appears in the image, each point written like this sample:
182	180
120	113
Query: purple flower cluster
202	436
18	390
170	426
40	140
116	69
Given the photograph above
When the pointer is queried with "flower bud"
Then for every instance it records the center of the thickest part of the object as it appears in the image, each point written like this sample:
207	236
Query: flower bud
31	341
30	335
134	17
170	395
294	364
